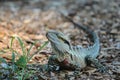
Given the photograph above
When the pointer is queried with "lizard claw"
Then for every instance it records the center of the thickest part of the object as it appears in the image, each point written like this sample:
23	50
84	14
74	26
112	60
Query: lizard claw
102	69
53	68
77	72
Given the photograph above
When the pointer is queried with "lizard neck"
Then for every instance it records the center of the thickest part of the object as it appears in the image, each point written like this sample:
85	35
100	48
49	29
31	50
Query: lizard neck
60	49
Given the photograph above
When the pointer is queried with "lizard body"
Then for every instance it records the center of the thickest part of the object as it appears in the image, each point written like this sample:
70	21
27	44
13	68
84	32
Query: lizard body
73	57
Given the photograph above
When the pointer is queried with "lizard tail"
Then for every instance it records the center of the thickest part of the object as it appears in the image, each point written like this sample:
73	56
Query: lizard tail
94	49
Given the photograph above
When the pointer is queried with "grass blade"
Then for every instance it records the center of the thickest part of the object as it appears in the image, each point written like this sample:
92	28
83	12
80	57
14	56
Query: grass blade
13	58
11	41
31	48
22	62
39	49
22	46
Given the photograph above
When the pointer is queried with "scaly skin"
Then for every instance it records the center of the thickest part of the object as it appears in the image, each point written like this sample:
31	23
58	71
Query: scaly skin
71	57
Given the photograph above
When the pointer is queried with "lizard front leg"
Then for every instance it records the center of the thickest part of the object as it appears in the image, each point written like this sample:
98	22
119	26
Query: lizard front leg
96	63
53	63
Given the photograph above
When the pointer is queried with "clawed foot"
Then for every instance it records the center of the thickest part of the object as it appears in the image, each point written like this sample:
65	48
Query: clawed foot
53	68
77	72
102	69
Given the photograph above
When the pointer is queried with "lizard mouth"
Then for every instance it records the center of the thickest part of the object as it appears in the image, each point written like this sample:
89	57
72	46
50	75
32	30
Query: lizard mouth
57	37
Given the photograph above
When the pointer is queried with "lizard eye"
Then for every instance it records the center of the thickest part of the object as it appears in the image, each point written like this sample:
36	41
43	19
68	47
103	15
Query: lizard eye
64	40
60	38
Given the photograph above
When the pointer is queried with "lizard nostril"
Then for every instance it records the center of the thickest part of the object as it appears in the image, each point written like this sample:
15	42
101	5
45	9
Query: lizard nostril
48	34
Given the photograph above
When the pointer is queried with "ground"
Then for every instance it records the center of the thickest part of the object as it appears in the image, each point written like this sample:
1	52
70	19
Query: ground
30	20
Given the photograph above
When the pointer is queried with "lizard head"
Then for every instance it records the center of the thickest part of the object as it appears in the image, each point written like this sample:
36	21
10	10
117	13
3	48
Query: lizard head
59	41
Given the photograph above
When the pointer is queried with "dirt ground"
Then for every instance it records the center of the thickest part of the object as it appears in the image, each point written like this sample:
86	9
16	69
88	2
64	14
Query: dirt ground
31	19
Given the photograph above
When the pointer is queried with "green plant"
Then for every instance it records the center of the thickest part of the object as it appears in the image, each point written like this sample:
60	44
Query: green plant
25	57
19	65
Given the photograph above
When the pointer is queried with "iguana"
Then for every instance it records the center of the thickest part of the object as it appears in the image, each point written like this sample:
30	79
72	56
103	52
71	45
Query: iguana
71	57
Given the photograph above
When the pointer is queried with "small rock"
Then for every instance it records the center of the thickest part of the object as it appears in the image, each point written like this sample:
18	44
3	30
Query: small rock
4	65
103	32
114	31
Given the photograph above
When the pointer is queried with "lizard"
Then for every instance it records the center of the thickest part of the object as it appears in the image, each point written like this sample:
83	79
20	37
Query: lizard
72	57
